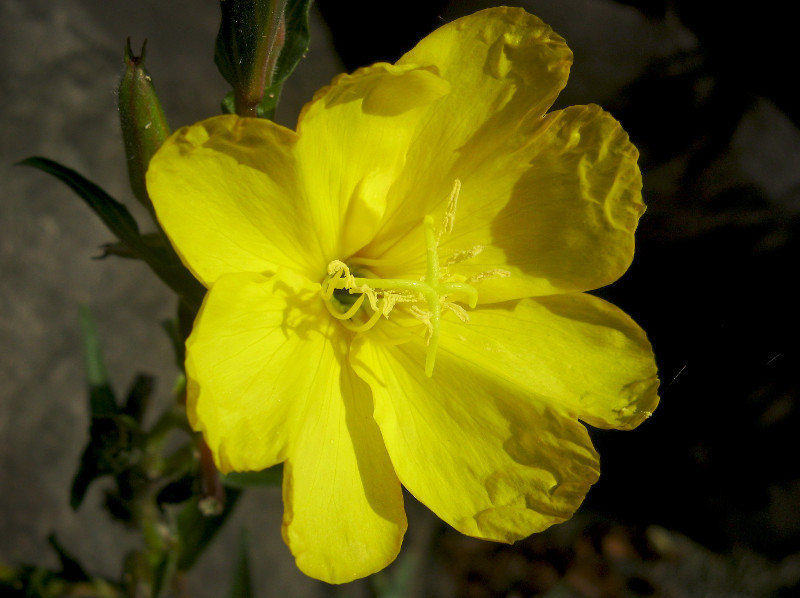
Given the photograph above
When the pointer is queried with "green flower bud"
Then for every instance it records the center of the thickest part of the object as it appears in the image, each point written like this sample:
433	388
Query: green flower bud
144	126
250	39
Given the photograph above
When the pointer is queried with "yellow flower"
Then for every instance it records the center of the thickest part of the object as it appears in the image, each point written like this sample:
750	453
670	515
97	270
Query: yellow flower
396	293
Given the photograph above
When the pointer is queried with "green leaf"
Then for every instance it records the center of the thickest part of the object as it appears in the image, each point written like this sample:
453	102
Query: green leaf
397	581
115	215
161	258
139	397
195	530
154	241
297	39
71	569
114	436
242	584
248	479
114	446
101	397
163	572
177	491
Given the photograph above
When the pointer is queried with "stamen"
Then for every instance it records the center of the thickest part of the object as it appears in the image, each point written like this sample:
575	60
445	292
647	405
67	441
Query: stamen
487	275
423	316
368	291
384	294
458	310
462	256
450	214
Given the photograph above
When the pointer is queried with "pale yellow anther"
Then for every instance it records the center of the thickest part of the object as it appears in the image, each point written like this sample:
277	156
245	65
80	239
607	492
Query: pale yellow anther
463	255
392	299
338	266
424	316
458	310
487	275
450	214
336	270
365	290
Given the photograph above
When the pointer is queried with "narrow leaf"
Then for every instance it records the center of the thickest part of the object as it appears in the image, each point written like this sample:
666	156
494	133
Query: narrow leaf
195	530
139	397
242	584
246	479
101	397
398	580
115	215
71	569
114	446
161	258
297	39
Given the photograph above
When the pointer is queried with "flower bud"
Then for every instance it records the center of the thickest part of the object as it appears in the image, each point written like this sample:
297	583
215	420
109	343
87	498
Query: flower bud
251	36
144	126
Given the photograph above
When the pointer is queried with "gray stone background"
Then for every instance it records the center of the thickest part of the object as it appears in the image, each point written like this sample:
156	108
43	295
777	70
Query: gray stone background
60	61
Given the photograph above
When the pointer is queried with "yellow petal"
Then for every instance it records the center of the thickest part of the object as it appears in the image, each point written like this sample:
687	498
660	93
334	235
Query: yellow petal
497	60
573	351
555	208
266	384
503	65
488	460
343	504
227	194
354	136
571	200
259	358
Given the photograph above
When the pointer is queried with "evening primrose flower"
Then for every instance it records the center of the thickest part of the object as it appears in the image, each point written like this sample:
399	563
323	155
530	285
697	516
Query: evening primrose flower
396	293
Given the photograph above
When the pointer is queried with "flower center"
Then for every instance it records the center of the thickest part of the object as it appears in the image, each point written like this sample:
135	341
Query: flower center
350	298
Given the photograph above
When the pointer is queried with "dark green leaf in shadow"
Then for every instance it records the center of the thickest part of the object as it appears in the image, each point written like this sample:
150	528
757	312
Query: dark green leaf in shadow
114	437
115	215
139	397
71	569
114	447
172	328
161	258
155	241
195	530
397	581
242	584
245	479
101	397
178	491
297	40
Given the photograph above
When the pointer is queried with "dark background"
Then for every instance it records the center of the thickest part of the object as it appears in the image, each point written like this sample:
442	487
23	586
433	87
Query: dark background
702	499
